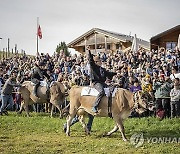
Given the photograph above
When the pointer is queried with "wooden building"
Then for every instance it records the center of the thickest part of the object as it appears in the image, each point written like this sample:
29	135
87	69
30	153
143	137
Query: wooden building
100	40
167	39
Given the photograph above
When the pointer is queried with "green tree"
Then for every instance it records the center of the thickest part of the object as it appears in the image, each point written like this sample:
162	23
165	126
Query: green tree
62	46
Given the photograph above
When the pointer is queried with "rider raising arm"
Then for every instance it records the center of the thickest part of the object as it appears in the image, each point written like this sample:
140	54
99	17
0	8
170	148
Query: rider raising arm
98	76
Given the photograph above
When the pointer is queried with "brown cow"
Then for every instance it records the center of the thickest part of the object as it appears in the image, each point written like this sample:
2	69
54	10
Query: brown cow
57	96
122	104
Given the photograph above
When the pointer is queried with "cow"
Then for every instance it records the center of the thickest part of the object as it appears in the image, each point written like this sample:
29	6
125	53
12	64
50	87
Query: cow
122	104
57	93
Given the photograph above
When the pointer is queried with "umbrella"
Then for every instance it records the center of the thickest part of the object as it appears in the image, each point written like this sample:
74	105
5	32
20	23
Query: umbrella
134	46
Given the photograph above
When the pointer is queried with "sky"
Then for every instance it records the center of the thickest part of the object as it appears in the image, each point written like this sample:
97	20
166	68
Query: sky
65	20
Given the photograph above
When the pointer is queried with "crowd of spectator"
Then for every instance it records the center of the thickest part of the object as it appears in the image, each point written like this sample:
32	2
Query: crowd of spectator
155	73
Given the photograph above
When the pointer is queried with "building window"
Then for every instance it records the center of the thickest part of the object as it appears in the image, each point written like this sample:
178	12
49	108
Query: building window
84	49
108	46
117	46
170	45
99	47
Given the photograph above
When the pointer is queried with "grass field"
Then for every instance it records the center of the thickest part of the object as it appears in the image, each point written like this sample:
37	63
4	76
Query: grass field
41	134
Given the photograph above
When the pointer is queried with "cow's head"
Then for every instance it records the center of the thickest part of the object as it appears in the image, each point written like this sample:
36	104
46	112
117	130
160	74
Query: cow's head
66	88
57	92
143	102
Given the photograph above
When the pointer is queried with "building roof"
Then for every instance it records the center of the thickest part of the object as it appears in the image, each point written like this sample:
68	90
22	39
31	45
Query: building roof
119	36
165	32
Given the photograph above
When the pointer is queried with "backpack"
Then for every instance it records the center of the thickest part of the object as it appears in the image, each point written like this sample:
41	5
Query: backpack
160	113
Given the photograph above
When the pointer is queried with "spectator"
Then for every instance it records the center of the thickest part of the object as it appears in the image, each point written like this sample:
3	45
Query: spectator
162	89
136	87
147	85
175	99
119	80
7	92
175	73
166	70
85	80
1	84
130	79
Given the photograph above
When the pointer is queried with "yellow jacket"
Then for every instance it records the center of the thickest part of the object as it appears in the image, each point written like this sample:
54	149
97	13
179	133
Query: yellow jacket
147	87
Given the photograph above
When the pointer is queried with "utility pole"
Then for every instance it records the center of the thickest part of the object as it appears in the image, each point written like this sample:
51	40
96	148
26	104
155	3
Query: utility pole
6	53
0	49
3	53
37	36
15	49
8	47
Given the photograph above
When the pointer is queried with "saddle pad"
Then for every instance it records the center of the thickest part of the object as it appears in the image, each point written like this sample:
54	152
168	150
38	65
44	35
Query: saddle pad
42	83
89	91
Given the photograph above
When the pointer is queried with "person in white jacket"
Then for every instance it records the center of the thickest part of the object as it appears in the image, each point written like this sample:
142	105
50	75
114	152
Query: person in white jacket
175	73
175	99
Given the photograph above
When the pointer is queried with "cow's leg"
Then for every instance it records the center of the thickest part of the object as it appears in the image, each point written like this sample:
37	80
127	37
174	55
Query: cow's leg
21	107
69	120
26	109
112	131
49	107
81	119
52	109
25	106
46	107
121	127
59	108
68	125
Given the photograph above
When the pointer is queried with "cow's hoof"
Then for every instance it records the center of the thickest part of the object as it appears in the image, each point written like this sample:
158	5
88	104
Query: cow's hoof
19	112
124	139
5	112
105	135
64	129
67	134
88	133
51	116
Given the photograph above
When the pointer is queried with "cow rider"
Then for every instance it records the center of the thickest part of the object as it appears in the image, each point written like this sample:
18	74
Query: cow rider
38	75
98	76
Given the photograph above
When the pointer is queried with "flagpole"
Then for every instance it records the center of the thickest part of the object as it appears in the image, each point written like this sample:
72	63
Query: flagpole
37	35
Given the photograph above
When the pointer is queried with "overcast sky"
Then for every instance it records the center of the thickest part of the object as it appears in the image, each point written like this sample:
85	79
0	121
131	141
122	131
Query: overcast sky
65	20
